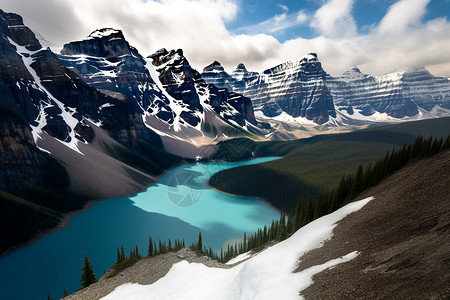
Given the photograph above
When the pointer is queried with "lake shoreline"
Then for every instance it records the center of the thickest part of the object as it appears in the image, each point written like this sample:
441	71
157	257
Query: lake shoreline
264	201
67	217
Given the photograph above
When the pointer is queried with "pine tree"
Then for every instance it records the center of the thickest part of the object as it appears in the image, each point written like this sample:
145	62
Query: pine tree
200	243
65	293
48	297
282	230
150	247
88	276
119	256
122	254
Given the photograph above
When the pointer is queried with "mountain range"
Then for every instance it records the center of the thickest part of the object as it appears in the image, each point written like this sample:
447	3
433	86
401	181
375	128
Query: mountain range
110	119
305	92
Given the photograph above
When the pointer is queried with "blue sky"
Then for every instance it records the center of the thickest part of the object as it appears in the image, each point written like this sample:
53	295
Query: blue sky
378	36
367	13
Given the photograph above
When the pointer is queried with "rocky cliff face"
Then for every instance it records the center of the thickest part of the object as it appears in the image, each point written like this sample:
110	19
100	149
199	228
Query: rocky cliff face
40	95
297	88
106	62
21	161
399	94
186	85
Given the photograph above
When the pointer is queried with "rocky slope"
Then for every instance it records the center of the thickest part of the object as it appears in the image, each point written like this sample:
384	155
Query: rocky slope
146	271
297	88
402	237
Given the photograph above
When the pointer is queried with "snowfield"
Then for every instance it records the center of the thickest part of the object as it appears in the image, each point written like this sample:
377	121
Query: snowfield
268	275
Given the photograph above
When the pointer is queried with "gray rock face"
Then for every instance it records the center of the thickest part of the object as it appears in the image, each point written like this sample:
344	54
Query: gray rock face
186	84
45	94
297	88
20	160
399	94
106	61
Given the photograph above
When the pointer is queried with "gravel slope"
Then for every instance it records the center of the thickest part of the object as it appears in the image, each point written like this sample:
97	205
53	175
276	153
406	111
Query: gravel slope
145	271
403	237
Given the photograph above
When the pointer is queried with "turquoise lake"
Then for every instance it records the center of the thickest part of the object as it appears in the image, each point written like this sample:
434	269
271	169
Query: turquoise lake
179	205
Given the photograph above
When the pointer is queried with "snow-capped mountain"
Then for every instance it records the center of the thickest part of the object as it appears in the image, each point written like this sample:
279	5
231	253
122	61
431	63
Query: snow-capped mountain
185	84
48	108
170	96
302	89
297	88
404	94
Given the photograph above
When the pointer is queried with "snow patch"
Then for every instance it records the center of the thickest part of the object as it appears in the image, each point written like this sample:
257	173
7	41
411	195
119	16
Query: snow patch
268	275
284	117
65	111
239	258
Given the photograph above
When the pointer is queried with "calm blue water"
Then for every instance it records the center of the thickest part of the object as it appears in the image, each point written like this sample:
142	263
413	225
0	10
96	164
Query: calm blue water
179	205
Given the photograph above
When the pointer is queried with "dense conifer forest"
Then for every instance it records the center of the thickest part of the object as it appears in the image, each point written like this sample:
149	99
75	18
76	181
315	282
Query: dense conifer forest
314	166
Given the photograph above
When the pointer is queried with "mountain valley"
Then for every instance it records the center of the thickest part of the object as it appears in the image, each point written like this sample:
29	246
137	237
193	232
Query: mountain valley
99	120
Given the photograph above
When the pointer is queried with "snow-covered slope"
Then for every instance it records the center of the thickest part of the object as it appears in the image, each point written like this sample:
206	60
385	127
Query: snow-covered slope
405	95
297	88
268	275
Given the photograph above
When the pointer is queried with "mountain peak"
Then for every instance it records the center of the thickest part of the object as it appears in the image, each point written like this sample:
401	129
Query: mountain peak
104	42
106	32
310	57
354	69
215	66
241	67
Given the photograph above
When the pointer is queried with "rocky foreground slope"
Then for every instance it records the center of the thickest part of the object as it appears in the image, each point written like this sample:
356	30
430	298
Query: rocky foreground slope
403	237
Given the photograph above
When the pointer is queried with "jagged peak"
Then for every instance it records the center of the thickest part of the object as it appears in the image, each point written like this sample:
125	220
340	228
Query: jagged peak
163	56
353	70
106	32
214	66
13	19
310	57
417	70
160	52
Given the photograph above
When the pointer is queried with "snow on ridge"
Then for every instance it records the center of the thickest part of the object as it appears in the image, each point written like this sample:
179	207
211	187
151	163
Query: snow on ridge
66	112
104	32
284	117
268	275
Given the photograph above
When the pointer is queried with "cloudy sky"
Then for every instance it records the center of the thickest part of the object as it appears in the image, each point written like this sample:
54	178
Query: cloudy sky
378	36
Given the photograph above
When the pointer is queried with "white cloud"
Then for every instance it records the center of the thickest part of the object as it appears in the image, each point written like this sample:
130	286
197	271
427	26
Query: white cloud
276	24
400	40
334	19
284	8
403	14
302	17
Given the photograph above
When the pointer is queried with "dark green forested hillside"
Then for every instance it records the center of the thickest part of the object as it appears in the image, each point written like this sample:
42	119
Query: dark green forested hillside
312	166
